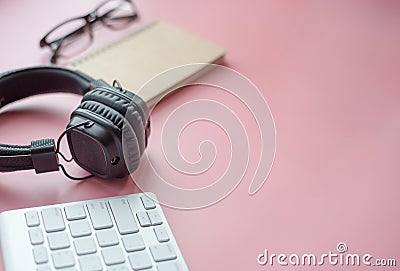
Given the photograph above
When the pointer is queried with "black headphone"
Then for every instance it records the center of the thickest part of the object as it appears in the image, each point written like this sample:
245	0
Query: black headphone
95	129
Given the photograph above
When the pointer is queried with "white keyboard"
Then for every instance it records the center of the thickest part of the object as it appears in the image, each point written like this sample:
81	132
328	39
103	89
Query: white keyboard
114	234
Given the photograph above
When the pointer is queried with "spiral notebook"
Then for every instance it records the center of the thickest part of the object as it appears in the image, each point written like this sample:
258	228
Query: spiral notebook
149	51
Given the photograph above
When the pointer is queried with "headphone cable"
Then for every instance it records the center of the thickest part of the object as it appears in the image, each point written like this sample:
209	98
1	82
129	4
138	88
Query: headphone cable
86	124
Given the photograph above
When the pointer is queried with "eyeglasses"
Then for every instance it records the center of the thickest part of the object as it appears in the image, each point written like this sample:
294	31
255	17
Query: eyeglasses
75	35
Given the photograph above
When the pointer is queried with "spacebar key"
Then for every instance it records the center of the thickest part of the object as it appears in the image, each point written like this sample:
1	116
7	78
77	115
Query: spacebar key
99	215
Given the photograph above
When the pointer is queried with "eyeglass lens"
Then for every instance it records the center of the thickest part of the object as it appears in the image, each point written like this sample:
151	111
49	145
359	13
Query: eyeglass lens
70	38
116	13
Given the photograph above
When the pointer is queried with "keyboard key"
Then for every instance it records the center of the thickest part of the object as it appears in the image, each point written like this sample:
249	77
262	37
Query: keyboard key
140	260
161	234
58	240
74	212
168	266
119	268
133	242
155	217
80	228
144	219
107	238
99	215
32	219
123	216
40	255
113	255
90	263
43	268
163	252
148	203
62	259
53	219
85	246
36	236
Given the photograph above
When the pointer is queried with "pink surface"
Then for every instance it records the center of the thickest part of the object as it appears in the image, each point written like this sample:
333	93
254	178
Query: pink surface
330	73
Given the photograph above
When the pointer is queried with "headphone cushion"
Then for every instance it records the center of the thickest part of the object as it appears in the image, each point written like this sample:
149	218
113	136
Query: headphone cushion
104	111
107	97
129	109
131	149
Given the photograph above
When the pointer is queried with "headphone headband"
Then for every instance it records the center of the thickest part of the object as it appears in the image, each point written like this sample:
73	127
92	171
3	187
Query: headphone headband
26	82
22	83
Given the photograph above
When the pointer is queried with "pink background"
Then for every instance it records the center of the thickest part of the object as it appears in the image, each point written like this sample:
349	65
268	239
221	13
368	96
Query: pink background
330	73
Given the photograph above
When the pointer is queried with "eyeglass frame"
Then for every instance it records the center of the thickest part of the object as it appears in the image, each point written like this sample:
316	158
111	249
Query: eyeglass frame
90	19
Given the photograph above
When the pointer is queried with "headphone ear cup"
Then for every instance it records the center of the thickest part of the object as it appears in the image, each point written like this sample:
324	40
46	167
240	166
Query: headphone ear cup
130	144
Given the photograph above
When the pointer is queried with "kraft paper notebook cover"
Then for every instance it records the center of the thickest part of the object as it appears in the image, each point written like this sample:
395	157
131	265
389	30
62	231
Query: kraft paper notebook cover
147	52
